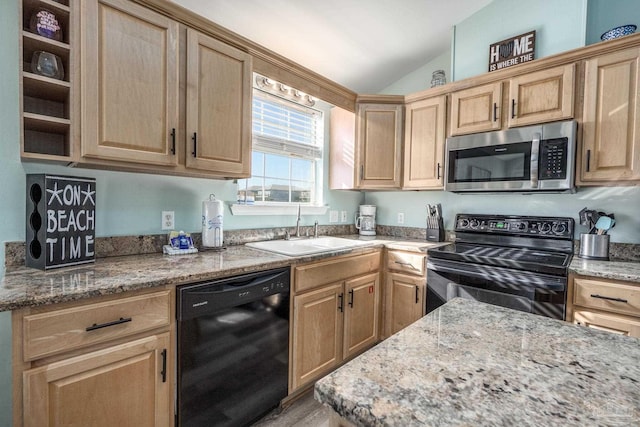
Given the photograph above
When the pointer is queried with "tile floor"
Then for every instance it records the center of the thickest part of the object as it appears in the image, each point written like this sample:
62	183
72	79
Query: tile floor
304	412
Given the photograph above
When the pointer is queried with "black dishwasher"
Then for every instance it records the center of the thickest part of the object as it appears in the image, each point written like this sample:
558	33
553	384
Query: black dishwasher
233	348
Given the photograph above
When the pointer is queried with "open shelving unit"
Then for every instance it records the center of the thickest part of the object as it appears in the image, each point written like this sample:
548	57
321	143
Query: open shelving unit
46	103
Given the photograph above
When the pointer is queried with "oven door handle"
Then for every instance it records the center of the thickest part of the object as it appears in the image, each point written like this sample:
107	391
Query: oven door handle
471	270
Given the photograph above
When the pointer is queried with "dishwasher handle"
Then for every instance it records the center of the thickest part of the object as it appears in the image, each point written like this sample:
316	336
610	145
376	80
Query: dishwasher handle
204	298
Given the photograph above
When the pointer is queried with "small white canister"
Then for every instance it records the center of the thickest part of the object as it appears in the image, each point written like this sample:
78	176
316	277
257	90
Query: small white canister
212	215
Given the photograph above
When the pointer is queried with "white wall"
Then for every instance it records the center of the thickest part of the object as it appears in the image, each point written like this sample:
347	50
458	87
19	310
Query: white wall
420	79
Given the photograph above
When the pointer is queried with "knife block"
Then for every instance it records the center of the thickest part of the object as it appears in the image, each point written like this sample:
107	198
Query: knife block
436	234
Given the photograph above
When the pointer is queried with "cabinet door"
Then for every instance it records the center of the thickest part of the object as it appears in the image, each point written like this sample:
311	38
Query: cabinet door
342	146
611	120
424	144
477	109
218	107
362	313
96	389
379	136
544	96
317	333
405	301
616	324
129	58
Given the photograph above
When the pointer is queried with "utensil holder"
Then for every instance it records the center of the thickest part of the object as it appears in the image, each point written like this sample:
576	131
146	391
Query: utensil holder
594	246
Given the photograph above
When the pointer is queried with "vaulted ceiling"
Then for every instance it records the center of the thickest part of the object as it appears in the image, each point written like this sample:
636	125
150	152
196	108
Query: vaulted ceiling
364	45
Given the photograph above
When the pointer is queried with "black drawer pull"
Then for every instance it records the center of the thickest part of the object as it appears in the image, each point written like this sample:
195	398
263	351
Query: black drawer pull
438	170
495	111
164	366
417	294
195	144
609	298
173	141
106	325
513	108
341	305
588	160
351	298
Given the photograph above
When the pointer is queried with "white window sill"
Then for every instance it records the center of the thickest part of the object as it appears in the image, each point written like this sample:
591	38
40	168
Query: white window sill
237	209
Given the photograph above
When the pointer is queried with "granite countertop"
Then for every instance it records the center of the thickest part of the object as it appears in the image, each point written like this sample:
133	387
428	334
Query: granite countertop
473	364
614	270
28	287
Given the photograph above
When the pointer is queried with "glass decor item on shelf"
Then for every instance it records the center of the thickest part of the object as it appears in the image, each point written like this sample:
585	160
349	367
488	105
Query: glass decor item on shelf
44	23
438	78
47	64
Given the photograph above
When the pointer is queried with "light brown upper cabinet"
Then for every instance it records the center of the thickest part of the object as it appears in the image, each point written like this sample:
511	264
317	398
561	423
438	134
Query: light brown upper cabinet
538	97
129	83
476	109
424	144
218	118
342	148
611	121
379	139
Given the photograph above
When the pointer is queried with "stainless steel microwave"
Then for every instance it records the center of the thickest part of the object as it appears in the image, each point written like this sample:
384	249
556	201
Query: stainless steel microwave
526	159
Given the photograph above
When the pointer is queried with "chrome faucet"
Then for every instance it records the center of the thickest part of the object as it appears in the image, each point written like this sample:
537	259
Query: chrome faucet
298	222
315	230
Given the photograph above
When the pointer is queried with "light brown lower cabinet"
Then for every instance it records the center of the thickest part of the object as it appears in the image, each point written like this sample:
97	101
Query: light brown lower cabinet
334	321
608	305
118	386
405	301
100	362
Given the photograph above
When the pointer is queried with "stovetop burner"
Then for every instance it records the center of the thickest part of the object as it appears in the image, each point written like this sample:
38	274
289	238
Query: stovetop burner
537	244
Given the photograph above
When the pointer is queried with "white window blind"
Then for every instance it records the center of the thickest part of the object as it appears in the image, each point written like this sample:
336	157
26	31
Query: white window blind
287	152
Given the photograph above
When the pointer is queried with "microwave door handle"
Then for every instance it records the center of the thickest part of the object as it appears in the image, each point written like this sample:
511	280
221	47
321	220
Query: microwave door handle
535	151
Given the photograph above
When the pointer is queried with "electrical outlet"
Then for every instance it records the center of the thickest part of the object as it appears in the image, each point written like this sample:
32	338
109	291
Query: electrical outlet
333	216
168	220
400	218
343	216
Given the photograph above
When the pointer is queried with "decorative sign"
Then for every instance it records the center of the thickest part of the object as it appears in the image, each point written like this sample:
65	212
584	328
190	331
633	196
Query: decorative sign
513	51
61	221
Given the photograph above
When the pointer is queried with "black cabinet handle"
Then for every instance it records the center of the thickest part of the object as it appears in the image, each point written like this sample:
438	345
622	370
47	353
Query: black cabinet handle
195	144
163	373
341	304
513	108
106	325
588	159
351	298
417	294
173	141
495	111
609	298
438	170
361	172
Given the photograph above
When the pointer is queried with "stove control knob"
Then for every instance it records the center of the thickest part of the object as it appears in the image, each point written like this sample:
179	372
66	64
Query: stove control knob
474	223
544	227
559	228
520	226
463	223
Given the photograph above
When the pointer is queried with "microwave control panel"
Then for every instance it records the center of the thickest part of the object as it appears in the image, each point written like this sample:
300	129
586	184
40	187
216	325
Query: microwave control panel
553	159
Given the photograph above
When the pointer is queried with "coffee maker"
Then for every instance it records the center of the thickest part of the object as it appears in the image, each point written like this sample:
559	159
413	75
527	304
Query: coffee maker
366	220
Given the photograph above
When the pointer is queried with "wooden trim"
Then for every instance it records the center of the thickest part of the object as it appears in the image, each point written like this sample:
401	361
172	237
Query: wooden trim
265	61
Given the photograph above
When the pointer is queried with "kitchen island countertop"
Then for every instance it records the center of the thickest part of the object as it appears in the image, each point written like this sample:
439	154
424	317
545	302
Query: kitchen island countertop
469	363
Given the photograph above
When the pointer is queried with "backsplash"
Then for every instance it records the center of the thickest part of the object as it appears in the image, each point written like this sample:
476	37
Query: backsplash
148	244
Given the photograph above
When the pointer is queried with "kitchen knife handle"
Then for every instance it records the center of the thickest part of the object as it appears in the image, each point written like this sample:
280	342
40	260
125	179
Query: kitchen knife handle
106	325
417	294
609	298
173	141
195	144
588	160
163	373
341	304
513	108
495	111
351	298
438	170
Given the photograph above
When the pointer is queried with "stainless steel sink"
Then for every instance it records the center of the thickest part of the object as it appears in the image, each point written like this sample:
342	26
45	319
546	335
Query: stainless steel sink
308	246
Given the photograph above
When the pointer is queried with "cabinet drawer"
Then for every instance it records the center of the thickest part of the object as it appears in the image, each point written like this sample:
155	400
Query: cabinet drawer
406	262
614	323
334	270
609	296
58	331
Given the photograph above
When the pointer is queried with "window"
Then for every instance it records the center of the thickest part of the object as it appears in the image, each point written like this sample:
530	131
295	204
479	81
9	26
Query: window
286	164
